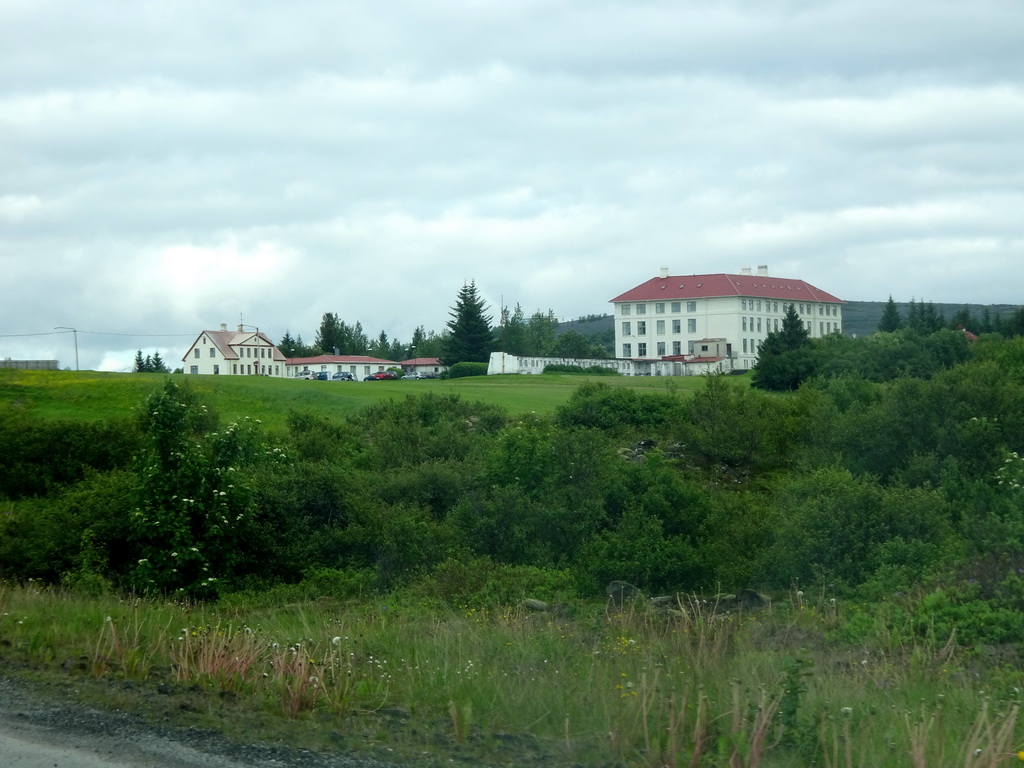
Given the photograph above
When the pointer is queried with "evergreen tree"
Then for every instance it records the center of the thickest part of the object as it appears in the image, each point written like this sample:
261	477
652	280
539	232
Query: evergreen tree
287	345
785	358
470	337
140	364
891	318
158	364
329	337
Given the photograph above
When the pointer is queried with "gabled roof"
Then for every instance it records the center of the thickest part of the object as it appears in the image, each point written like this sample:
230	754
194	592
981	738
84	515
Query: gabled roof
226	341
714	286
328	359
422	361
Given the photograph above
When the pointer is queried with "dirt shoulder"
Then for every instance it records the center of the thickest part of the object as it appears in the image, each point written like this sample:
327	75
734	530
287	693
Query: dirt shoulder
43	724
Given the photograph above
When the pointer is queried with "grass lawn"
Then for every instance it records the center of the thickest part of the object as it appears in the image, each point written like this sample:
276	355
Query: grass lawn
93	395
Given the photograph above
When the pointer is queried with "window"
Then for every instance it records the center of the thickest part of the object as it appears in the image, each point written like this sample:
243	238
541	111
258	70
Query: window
801	309
691	306
677	306
677	326
776	305
661	349
213	351
627	350
627	329
758	305
194	369
641	328
626	309
677	347
744	346
758	325
743	304
691	325
776	323
821	328
641	350
263	351
197	353
659	308
661	327
744	322
216	369
641	309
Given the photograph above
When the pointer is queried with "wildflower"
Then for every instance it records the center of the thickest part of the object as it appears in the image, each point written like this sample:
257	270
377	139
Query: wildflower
335	640
846	711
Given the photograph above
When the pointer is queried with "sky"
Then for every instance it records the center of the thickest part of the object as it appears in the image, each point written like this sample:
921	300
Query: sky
170	165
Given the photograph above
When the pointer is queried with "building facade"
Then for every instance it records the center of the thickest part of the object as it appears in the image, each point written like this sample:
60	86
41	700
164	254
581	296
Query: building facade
233	353
360	366
699	318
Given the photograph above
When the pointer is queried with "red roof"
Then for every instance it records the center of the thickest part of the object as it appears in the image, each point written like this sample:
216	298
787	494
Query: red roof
422	361
327	359
714	286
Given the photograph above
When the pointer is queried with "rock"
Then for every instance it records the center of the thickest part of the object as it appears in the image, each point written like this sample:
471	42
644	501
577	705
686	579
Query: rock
620	592
535	605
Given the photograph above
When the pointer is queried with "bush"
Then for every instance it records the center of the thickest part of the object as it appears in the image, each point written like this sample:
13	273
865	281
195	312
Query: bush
461	370
481	582
579	370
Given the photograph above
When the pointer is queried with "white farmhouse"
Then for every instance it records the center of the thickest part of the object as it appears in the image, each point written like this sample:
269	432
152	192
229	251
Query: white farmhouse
233	353
681	320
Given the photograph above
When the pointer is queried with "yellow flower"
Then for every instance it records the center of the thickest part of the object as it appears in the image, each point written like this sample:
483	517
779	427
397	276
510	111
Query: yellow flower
1020	755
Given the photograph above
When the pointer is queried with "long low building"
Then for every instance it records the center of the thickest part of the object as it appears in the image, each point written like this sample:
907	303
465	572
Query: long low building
504	363
360	366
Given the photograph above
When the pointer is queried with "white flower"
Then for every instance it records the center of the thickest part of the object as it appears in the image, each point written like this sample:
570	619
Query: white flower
335	640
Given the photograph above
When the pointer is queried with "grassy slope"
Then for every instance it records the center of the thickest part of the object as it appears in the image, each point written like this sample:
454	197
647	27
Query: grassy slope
112	396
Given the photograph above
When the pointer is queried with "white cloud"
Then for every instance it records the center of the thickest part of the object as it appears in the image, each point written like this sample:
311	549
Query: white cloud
168	167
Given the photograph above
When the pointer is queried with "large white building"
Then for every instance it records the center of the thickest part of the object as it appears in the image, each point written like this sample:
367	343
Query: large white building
233	353
677	320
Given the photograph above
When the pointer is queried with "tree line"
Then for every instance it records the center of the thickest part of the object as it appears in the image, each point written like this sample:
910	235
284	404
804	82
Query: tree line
468	336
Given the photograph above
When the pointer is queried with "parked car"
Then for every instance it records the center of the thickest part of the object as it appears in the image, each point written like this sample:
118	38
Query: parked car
308	375
323	376
413	375
380	376
343	376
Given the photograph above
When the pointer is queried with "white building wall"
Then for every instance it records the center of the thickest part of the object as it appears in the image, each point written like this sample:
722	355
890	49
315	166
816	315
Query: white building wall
744	322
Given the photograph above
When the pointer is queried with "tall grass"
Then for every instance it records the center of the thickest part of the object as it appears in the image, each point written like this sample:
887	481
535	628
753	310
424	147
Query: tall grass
635	686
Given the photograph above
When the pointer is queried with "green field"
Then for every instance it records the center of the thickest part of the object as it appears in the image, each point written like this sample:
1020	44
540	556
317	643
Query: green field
110	396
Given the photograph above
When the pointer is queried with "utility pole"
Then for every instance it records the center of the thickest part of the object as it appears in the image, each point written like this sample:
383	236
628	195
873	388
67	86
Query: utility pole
75	332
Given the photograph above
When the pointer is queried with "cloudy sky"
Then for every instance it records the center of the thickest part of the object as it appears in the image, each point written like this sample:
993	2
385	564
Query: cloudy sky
170	165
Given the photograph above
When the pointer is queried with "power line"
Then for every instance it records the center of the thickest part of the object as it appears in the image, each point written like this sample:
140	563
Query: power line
104	333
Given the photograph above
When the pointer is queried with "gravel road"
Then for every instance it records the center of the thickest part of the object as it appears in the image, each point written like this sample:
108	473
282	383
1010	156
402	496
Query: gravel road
43	729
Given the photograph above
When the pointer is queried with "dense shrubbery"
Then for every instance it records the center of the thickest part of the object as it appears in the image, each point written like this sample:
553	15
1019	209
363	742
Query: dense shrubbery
579	370
459	370
878	487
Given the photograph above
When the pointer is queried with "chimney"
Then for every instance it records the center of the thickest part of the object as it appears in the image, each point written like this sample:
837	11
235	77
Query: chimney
664	272
762	270
745	270
223	326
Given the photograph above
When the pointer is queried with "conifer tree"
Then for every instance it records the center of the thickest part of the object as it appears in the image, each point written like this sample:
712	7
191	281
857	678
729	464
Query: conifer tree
470	338
891	318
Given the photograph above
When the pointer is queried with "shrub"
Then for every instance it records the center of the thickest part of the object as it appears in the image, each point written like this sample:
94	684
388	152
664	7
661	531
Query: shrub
461	370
